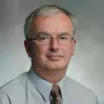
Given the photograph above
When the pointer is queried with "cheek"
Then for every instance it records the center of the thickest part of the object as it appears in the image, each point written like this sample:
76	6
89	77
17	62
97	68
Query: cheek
41	51
68	52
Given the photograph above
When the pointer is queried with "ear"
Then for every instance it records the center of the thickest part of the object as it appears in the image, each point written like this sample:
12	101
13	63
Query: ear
73	47
28	48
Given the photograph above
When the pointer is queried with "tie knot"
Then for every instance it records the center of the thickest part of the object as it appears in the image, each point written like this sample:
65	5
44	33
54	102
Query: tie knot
55	95
55	90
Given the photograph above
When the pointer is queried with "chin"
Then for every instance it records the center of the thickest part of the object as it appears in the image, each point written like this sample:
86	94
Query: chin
54	63
55	66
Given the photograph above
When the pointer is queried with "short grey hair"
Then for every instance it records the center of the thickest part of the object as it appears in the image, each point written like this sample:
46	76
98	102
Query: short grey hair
47	10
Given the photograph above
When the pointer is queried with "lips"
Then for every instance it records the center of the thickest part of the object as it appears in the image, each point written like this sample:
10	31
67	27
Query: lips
54	57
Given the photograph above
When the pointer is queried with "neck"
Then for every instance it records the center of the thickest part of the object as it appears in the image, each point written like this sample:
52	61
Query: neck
53	76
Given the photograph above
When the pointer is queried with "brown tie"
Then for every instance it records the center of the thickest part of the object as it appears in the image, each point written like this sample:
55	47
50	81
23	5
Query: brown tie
55	95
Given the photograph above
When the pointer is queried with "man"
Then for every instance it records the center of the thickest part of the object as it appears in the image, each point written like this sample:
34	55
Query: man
50	42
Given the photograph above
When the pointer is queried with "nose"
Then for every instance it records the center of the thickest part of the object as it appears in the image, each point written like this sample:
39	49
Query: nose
54	45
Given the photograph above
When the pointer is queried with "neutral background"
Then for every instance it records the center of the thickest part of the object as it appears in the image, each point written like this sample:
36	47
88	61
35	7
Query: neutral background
86	66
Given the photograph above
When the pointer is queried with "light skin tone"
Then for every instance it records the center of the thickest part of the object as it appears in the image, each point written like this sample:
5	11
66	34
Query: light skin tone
51	61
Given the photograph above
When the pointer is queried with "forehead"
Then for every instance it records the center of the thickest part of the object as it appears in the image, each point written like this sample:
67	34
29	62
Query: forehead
53	24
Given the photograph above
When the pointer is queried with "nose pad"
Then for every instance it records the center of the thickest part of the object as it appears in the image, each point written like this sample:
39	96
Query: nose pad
54	45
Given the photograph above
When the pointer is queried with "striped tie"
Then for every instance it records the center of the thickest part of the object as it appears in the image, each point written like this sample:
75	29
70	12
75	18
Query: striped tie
55	95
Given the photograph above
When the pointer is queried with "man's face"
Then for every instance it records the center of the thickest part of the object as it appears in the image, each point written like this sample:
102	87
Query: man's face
52	56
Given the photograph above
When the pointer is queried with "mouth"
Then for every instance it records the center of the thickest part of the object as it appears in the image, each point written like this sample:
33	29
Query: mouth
54	57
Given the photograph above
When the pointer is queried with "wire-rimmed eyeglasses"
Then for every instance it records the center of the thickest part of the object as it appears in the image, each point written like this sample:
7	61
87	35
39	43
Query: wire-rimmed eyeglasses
46	39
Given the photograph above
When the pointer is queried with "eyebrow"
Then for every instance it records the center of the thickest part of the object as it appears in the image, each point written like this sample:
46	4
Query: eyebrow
64	34
47	34
42	33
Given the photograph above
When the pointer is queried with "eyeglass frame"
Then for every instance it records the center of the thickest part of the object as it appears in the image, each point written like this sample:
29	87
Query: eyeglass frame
51	38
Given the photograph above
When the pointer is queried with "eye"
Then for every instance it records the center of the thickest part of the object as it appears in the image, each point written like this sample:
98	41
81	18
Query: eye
63	37
42	38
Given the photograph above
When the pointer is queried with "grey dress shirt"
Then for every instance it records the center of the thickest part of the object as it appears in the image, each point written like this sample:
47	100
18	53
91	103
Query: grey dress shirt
29	88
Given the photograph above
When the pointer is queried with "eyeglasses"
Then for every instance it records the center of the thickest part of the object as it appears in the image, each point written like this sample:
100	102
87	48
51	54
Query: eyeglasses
46	39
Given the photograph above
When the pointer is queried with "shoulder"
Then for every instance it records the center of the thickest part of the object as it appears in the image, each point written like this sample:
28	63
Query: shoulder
76	85
18	90
80	91
14	90
14	84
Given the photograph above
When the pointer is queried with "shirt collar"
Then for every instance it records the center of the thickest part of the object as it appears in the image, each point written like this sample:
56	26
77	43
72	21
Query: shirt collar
43	86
